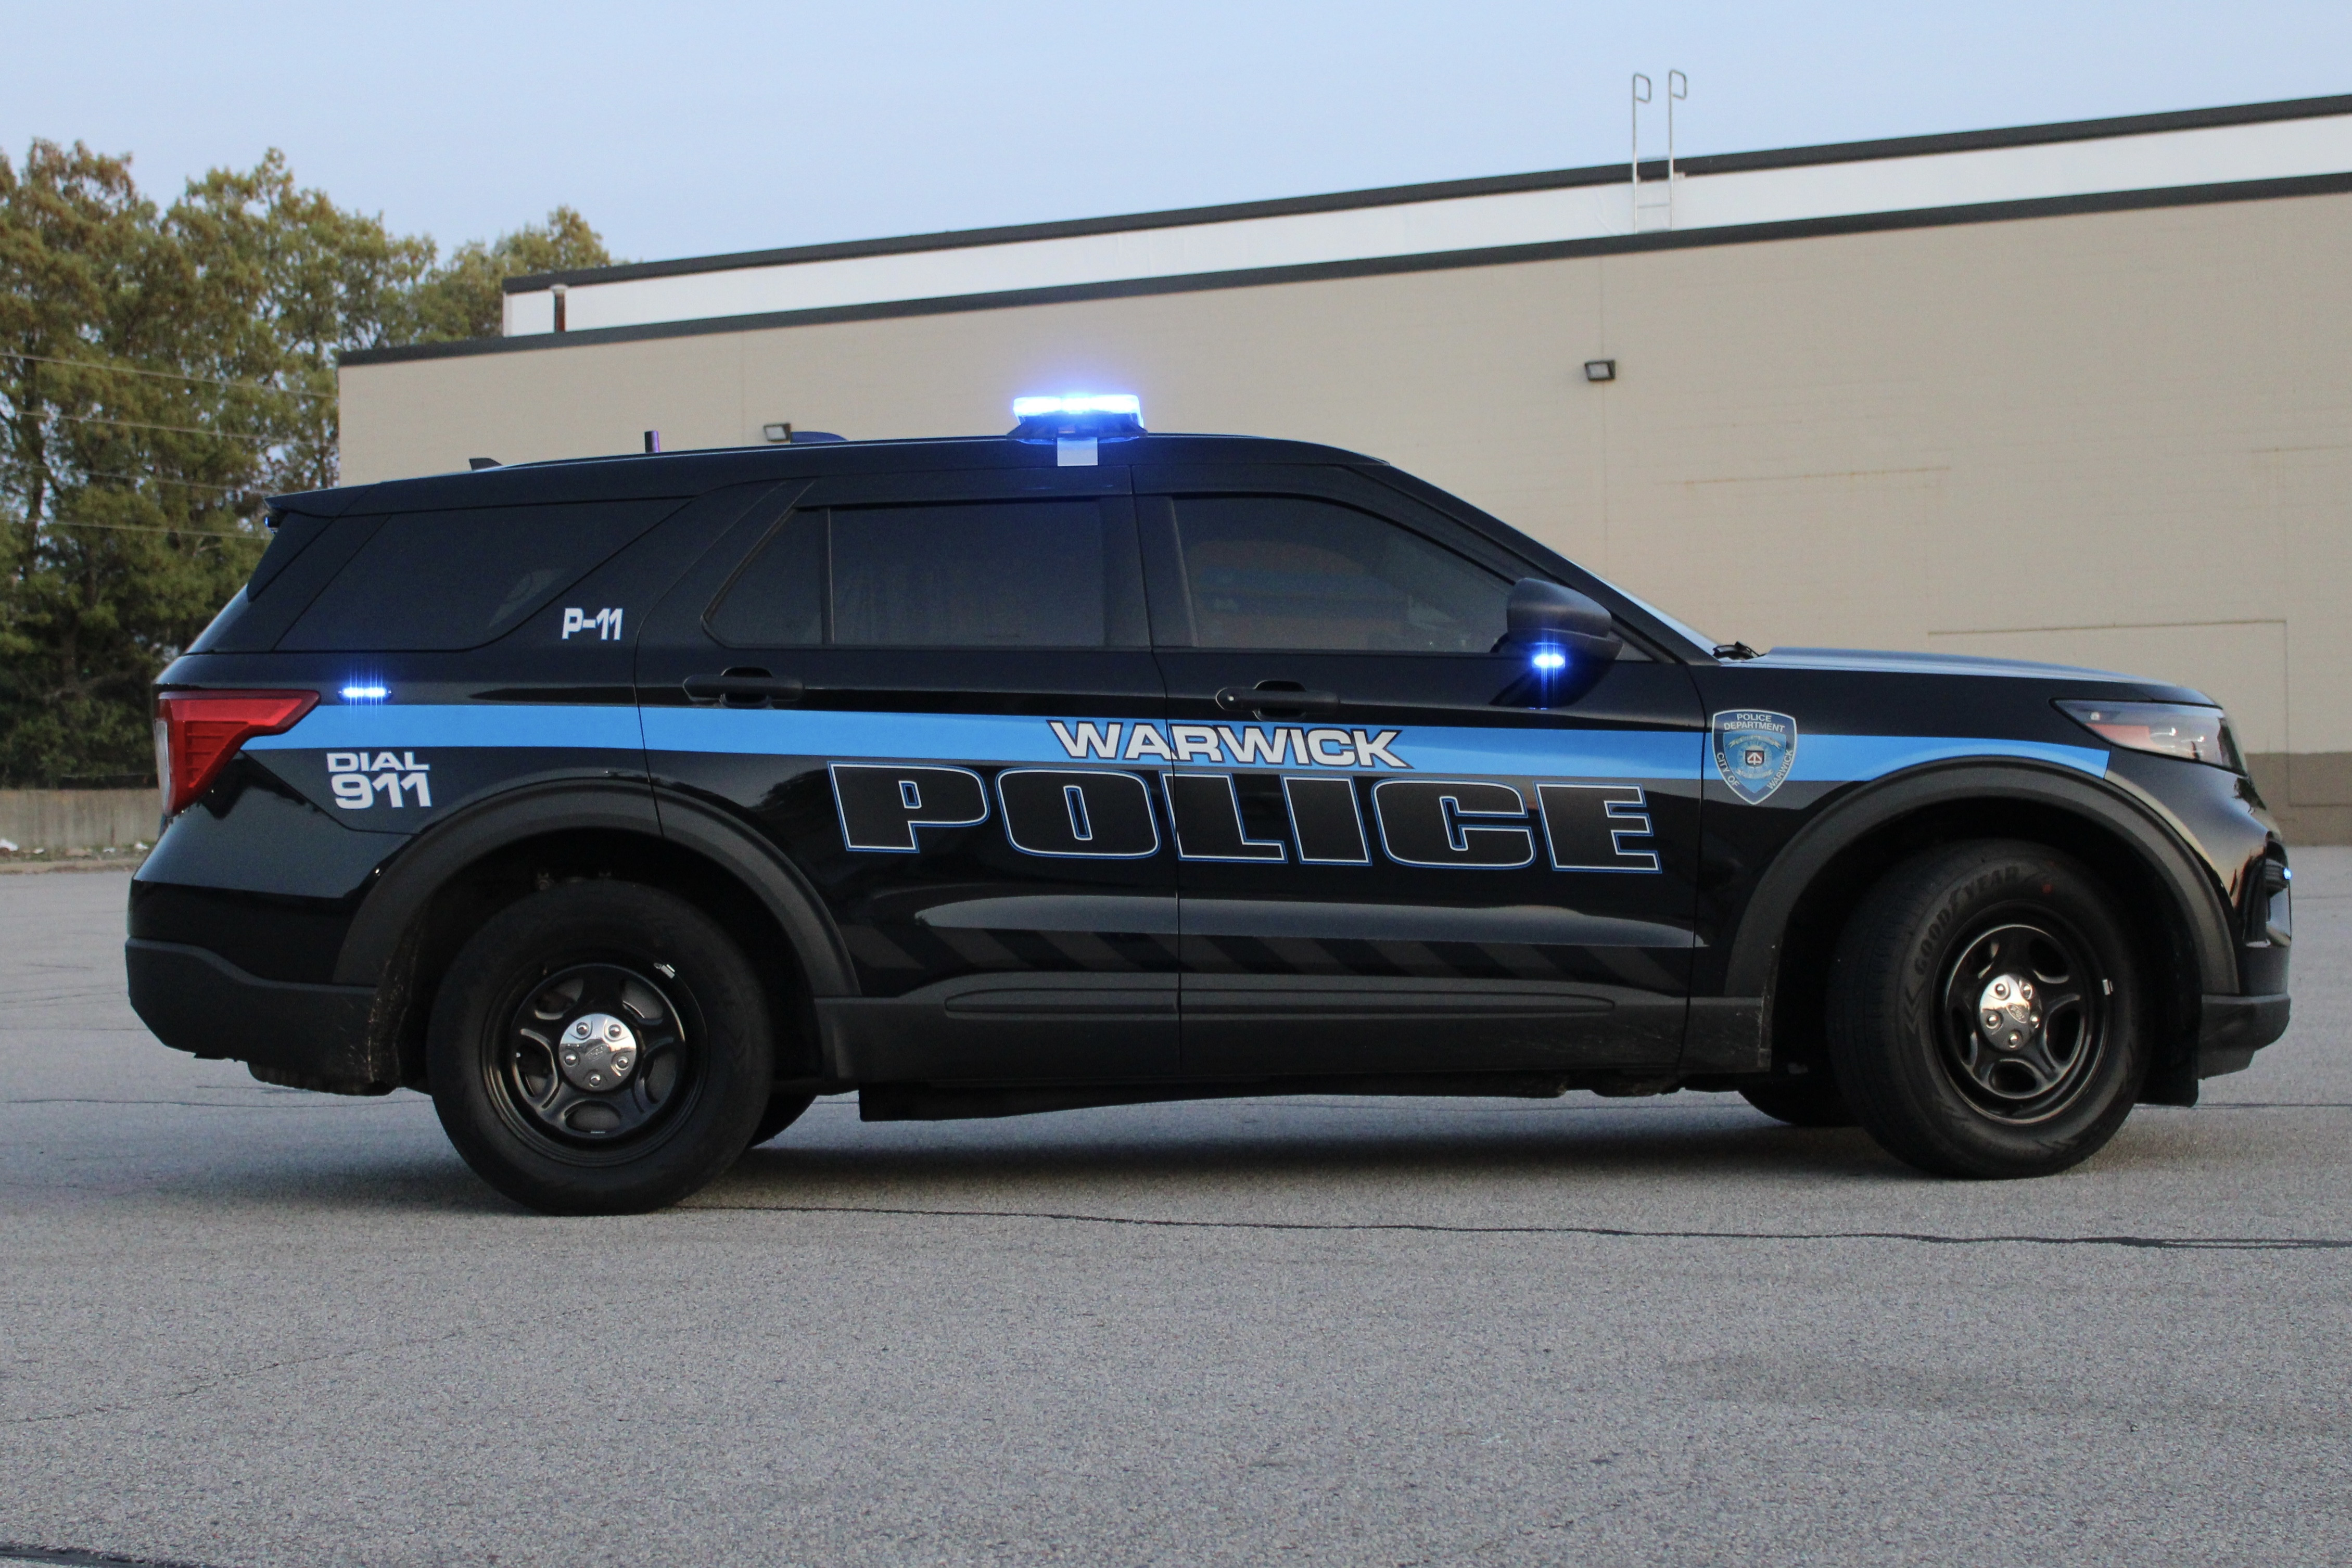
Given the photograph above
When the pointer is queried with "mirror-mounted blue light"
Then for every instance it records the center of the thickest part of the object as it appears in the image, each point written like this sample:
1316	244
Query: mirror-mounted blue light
1549	659
1097	414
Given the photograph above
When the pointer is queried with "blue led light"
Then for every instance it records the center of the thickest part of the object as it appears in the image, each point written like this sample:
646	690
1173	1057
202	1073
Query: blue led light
1078	406
366	693
1550	659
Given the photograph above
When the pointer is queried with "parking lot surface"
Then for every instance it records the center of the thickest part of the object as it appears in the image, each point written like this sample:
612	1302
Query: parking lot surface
248	1325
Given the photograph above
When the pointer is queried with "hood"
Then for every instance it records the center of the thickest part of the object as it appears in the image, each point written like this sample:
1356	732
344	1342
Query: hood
1896	664
1899	663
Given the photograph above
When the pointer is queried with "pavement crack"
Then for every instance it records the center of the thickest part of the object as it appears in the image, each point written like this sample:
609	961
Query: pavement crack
318	1102
1615	1232
224	1379
12	1551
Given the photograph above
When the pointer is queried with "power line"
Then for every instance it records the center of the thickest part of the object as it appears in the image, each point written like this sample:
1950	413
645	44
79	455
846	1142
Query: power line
146	528
23	466
165	375
190	430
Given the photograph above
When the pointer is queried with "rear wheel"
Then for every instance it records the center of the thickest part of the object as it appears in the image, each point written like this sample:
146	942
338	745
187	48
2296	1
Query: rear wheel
600	1047
1985	1012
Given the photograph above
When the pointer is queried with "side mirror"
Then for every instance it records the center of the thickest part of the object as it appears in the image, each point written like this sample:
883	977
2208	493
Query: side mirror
1568	638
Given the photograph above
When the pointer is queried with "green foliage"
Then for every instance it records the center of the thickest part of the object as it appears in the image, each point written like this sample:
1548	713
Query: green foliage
163	372
464	298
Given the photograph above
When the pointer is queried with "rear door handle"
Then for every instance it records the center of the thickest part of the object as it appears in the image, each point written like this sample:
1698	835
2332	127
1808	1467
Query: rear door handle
1277	699
744	688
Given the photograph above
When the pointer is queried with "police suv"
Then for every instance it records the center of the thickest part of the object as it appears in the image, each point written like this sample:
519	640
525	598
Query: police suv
625	805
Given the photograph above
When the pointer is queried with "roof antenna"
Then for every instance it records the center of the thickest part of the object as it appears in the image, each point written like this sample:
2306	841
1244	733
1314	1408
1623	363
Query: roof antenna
653	441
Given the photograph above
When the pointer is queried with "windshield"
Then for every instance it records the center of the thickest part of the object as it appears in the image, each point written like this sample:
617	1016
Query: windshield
1683	627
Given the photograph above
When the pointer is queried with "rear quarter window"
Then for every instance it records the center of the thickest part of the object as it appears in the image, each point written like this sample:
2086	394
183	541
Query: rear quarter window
432	582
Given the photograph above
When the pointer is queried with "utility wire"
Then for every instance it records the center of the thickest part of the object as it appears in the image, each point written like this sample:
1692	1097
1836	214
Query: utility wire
147	528
165	375
190	430
24	467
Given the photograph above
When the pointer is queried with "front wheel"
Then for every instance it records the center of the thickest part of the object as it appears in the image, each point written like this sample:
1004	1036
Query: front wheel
1986	1016
600	1047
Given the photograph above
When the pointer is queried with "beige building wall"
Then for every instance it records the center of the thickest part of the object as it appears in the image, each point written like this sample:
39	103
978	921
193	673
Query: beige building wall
2119	439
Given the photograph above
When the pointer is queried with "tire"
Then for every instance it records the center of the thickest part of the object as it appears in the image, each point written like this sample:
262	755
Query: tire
1986	1014
664	1032
783	1111
1812	1101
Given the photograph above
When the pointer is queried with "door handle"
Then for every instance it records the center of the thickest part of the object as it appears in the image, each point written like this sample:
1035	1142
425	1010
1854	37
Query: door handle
744	688
1277	699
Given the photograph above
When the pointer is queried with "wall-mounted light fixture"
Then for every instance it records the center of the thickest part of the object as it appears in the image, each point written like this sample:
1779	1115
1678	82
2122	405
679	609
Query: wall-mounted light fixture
1600	369
781	435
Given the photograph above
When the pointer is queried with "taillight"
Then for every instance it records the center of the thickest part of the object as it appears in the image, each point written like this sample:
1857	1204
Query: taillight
197	732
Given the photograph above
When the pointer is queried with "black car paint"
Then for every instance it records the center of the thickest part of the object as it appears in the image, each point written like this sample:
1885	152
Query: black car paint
270	926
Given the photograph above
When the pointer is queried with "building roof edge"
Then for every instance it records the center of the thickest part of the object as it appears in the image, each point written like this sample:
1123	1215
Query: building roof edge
1455	189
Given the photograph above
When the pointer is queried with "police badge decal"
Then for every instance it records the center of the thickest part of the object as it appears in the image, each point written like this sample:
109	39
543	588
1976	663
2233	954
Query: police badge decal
1754	751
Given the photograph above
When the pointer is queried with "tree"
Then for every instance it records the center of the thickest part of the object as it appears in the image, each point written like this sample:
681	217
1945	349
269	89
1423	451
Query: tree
464	299
163	372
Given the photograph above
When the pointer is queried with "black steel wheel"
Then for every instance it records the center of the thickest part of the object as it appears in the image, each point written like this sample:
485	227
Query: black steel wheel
2024	1017
599	1048
597	1057
1985	1015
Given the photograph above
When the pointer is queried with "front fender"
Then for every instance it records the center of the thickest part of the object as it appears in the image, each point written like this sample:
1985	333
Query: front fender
2196	900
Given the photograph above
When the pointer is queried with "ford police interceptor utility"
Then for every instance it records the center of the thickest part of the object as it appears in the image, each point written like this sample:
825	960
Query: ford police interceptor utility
626	804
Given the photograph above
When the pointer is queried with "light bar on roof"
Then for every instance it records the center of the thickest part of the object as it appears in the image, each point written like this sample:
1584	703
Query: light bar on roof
1078	406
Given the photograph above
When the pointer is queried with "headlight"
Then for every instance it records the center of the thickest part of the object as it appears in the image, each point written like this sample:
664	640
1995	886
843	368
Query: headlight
2185	730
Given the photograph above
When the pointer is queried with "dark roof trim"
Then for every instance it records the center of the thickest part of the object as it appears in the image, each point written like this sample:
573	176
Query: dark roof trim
1454	190
1257	278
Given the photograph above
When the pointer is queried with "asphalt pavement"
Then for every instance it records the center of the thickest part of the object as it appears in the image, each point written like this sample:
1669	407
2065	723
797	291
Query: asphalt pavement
248	1325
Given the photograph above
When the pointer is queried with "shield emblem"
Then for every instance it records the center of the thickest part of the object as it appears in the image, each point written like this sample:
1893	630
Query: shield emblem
1754	750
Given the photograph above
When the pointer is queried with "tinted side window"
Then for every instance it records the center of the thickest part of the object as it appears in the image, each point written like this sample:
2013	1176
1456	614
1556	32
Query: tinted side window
1291	571
438	581
777	599
292	535
977	574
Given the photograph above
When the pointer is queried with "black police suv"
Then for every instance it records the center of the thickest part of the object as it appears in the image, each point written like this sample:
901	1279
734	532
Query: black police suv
626	804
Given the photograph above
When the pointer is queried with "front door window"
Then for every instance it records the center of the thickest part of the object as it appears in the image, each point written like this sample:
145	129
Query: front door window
1389	861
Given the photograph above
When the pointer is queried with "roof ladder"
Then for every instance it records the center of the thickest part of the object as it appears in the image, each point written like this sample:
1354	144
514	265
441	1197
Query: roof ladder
1657	211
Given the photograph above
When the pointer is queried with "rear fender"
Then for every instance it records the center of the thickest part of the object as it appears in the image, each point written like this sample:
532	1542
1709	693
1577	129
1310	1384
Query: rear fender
406	884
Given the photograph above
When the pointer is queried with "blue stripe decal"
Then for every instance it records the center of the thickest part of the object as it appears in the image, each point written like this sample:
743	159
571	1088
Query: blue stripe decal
568	726
961	738
973	737
988	738
1839	759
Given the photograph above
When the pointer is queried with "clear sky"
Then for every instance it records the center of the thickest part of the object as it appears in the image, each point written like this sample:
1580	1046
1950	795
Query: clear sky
685	128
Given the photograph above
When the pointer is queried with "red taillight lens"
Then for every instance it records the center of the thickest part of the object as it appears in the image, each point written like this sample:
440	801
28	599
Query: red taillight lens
197	732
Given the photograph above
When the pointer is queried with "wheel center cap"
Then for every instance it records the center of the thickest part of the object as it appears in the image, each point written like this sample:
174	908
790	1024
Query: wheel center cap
2007	1013
598	1052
